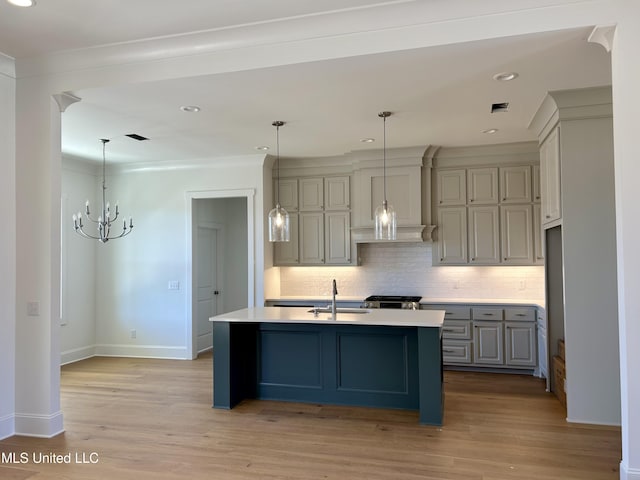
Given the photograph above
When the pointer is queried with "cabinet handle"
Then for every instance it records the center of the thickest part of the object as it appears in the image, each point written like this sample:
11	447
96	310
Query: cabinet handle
441	259
537	197
488	314
448	313
503	199
448	329
547	216
471	200
473	259
448	351
505	259
521	314
440	201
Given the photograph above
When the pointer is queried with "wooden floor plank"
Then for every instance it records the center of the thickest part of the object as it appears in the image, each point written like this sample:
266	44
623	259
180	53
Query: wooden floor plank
152	419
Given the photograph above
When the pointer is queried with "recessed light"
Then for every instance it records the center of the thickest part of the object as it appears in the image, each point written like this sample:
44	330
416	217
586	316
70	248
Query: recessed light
490	131
190	108
22	3
505	76
262	148
368	140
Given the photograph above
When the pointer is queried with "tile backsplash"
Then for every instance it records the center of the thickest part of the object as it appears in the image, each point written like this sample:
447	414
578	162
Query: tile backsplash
392	268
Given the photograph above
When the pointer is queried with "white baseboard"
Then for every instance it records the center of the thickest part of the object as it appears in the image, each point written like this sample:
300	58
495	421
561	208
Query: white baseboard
34	425
7	426
77	354
627	473
142	351
593	422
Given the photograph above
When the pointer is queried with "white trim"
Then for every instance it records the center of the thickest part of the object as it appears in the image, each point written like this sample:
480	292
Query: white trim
7	426
142	351
627	473
7	66
249	194
591	422
41	426
77	354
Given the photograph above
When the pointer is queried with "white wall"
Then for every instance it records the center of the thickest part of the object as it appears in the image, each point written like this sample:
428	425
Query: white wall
7	248
133	272
626	110
78	331
406	269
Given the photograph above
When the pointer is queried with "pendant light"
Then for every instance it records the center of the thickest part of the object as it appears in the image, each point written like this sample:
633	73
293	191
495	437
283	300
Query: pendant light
385	215
278	217
106	218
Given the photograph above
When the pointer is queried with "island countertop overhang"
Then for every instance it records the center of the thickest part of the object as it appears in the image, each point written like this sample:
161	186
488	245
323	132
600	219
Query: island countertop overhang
374	317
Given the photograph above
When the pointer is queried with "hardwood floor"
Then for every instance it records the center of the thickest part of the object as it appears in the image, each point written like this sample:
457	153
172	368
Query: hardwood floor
152	419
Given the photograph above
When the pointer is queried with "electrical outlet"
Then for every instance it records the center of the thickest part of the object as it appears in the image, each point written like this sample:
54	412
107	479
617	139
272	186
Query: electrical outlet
523	285
174	285
133	333
456	284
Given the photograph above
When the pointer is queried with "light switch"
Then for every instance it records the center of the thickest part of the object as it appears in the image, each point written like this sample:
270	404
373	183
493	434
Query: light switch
33	309
174	285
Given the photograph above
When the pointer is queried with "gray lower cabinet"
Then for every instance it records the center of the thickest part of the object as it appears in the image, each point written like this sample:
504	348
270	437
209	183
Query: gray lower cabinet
491	336
487	343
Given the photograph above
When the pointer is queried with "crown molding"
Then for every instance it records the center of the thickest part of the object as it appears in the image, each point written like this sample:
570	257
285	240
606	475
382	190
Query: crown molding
7	66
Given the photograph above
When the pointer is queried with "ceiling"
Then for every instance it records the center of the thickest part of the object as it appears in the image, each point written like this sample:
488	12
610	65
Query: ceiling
438	96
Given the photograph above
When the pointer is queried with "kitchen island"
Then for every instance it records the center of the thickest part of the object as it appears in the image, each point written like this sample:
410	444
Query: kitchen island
376	358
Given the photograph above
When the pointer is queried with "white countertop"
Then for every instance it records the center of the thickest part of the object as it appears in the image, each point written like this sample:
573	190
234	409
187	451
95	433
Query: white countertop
379	317
323	300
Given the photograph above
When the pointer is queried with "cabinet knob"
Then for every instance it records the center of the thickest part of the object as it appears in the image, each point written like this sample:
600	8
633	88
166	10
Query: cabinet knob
473	259
547	216
505	258
471	200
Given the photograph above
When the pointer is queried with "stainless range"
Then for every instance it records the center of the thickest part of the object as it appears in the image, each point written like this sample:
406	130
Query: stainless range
392	301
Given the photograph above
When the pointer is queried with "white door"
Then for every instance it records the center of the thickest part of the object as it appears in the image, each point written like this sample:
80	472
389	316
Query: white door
206	288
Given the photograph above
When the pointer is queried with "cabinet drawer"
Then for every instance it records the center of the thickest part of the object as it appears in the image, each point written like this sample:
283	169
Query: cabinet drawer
520	314
456	352
479	313
451	312
460	329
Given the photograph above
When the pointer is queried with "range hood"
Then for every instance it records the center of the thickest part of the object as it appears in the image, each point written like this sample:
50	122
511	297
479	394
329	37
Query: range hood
405	234
408	186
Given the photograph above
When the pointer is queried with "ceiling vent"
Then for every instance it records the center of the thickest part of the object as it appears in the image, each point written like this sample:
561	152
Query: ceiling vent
135	136
499	107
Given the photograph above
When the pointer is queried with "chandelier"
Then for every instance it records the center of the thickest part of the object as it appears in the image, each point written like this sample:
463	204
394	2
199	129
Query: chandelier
105	220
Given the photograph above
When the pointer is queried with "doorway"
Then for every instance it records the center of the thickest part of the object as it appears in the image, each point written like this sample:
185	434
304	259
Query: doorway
220	260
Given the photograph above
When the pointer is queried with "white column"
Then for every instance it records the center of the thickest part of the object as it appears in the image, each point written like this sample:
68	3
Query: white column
626	114
7	246
38	165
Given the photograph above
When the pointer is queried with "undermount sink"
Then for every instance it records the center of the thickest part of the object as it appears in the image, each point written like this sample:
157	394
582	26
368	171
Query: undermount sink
339	310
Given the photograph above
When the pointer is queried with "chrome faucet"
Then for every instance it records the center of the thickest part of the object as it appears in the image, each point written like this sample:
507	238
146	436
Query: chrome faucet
334	292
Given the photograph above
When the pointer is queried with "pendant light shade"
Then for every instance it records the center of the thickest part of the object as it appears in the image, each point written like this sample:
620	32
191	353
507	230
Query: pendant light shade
385	216
279	224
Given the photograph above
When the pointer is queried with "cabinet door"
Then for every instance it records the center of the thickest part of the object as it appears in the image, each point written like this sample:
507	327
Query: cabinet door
311	238
536	183
515	184
487	343
286	253
482	186
484	237
452	236
452	187
337	242
286	192
517	239
336	193
550	177
520	343
538	235
311	194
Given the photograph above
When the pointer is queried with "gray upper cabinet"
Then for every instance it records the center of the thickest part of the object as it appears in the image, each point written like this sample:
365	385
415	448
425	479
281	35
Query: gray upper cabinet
288	193
321	231
452	236
515	184
550	178
451	187
482	186
311	194
484	235
517	235
337	193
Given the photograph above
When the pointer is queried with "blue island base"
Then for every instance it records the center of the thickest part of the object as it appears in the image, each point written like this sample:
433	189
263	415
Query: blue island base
375	366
